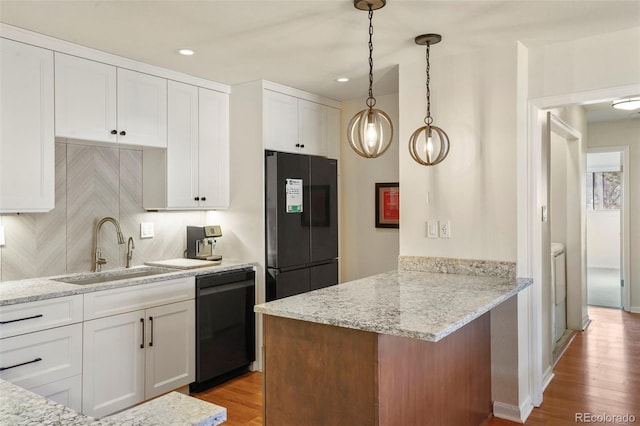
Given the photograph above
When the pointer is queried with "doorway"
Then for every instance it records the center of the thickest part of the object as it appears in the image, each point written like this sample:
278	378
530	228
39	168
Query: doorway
604	201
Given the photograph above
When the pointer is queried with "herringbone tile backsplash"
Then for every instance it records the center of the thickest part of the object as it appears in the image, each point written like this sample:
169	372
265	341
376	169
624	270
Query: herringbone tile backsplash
91	183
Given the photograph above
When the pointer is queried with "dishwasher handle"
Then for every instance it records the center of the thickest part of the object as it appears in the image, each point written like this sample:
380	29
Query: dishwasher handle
226	287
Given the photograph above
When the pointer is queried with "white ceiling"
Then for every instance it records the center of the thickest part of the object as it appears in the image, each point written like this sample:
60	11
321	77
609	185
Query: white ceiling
307	44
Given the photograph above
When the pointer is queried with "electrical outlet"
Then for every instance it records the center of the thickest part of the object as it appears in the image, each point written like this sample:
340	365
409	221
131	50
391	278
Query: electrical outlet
432	229
146	230
445	228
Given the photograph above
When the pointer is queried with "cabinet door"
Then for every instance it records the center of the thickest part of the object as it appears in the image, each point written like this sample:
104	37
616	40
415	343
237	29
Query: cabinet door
182	146
85	99
67	392
310	128
26	128
142	109
113	363
331	132
170	347
280	122
214	149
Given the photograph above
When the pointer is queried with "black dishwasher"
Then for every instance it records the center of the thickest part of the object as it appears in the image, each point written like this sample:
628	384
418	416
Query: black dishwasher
225	326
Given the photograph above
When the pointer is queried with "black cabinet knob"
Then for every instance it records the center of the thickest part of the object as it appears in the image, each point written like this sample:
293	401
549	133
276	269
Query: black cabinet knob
204	198
302	146
197	198
297	145
122	133
114	132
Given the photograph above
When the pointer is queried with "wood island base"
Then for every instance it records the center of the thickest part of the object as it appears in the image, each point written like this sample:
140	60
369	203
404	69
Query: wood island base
323	375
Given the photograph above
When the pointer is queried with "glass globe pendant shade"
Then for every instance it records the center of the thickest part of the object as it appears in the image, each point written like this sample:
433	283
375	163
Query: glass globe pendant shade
429	145
370	133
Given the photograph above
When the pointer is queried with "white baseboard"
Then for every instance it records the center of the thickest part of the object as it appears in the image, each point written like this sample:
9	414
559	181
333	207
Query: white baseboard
585	322
547	377
513	412
634	309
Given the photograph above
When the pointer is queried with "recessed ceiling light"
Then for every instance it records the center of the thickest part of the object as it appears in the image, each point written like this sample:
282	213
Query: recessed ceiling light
342	79
186	52
627	104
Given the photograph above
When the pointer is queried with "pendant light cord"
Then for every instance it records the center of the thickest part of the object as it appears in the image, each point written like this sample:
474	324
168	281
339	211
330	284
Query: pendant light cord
428	120
371	101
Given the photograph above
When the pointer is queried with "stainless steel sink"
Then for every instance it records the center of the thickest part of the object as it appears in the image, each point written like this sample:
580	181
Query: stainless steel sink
117	275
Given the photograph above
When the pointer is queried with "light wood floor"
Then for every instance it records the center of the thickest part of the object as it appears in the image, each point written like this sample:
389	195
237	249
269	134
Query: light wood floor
599	373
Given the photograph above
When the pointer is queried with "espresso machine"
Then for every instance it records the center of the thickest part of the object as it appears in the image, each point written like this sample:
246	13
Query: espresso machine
201	242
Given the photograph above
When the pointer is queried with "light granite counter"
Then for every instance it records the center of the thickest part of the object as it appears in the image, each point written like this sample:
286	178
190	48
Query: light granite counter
29	290
20	407
421	305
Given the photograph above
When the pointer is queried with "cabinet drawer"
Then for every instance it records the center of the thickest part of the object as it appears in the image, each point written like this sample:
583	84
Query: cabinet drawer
127	299
35	359
67	392
34	316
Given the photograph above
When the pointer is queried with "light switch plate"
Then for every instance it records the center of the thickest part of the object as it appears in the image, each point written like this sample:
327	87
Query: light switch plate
445	229
146	230
2	235
432	229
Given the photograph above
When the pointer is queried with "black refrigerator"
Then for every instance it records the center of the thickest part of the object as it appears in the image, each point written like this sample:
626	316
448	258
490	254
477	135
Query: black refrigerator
301	223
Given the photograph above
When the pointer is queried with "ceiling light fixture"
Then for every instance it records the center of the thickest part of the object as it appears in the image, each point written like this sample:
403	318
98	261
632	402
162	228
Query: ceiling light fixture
627	104
342	79
370	131
186	52
429	144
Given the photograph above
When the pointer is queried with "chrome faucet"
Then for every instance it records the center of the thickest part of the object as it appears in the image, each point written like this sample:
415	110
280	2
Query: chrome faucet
130	246
97	260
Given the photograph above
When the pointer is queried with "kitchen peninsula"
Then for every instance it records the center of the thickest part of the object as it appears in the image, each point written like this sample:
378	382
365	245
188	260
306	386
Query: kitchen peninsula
404	347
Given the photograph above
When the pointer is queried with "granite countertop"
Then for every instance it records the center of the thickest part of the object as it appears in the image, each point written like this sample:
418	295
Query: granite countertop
421	305
32	289
20	407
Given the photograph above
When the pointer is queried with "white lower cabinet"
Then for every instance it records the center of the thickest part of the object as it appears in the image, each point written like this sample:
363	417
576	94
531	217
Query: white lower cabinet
47	362
67	392
134	356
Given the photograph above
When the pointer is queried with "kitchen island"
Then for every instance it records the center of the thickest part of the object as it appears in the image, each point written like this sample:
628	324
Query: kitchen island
401	348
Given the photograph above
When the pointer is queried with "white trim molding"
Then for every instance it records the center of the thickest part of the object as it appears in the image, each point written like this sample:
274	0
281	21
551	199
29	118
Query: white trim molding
547	377
513	412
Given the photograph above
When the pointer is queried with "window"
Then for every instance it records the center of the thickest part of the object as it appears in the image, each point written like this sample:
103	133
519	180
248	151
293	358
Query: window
603	190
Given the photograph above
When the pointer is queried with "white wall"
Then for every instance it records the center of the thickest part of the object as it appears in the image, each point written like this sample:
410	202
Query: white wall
587	64
364	249
620	133
473	98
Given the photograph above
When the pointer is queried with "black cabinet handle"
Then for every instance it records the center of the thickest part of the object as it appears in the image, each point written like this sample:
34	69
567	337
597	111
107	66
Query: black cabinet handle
142	324
197	198
297	145
151	340
122	133
114	132
204	198
302	146
21	319
21	364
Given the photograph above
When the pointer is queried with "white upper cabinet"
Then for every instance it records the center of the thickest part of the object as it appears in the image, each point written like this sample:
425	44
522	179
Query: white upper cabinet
103	103
213	149
294	125
331	131
193	172
26	128
310	128
142	109
85	99
280	122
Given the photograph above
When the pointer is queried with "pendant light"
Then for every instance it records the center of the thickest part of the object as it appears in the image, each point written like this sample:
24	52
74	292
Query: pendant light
429	144
370	131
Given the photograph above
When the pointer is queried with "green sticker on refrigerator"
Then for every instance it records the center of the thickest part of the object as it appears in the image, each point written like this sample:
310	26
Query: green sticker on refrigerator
293	189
